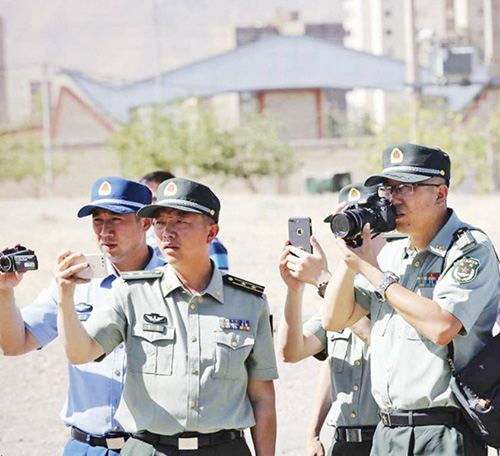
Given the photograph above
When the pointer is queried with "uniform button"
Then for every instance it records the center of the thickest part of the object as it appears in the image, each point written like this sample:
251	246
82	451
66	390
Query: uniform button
192	404
193	306
194	371
387	405
355	388
353	415
357	363
194	339
121	346
234	344
417	264
117	373
117	428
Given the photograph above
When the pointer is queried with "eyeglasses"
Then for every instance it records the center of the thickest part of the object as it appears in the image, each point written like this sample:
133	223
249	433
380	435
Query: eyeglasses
402	190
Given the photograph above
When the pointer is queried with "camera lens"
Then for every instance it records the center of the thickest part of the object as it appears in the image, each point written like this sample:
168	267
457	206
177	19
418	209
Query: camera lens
5	264
341	225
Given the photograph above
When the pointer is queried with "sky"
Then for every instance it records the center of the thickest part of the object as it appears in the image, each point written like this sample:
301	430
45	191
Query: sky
115	38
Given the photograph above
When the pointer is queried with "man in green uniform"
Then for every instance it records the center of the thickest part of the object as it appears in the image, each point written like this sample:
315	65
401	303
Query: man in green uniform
354	412
199	345
438	286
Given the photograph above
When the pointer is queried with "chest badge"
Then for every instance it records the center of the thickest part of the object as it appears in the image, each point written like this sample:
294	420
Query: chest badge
83	309
465	270
234	323
154	318
428	280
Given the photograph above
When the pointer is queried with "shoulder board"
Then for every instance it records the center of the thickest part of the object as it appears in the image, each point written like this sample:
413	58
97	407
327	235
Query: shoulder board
141	275
242	284
464	240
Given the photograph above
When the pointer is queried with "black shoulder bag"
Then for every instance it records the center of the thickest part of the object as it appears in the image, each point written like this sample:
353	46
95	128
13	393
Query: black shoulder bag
476	387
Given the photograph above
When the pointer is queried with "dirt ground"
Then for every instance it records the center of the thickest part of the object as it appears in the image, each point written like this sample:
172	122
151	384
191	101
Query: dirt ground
253	228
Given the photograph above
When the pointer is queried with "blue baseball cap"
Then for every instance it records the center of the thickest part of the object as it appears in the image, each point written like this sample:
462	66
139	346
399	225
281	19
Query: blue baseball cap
118	195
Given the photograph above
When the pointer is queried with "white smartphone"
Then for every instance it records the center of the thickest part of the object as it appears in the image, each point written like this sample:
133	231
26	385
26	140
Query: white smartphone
98	268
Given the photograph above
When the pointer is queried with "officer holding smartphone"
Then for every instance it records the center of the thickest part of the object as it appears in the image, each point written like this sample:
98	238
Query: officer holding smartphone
95	389
344	385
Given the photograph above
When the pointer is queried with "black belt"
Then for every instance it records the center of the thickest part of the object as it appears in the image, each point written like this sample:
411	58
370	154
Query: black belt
190	440
355	434
425	417
114	441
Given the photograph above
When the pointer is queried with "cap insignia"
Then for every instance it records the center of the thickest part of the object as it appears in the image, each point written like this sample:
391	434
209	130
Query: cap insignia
170	189
212	212
442	172
104	189
354	195
396	156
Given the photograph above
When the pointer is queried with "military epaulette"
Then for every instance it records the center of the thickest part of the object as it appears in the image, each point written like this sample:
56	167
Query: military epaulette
141	275
244	285
464	240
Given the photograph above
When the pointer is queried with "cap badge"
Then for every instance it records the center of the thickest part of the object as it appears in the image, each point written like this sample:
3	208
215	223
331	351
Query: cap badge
396	156
212	212
104	189
354	195
442	172
170	189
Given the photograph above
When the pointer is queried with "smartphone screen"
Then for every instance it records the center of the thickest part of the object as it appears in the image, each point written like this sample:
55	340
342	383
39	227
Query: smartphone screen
299	232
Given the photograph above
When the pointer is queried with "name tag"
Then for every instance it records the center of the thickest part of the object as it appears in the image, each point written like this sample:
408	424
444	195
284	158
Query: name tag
153	328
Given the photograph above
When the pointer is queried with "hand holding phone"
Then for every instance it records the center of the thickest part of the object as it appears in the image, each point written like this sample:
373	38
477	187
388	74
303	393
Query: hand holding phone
98	268
300	232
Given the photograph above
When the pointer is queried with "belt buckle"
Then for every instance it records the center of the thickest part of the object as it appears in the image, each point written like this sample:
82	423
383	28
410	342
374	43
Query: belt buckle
115	443
353	435
187	443
385	418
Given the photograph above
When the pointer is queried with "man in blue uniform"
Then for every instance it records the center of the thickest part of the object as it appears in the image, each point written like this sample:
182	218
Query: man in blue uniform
439	285
95	389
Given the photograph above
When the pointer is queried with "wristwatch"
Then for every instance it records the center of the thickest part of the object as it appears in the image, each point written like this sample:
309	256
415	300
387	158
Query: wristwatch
322	288
389	279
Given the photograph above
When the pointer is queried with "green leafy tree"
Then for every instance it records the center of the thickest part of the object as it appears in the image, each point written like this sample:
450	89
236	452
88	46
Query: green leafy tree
191	137
438	126
21	155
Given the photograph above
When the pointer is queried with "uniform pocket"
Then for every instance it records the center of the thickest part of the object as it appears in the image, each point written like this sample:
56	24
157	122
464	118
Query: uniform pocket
339	344
151	352
231	350
382	313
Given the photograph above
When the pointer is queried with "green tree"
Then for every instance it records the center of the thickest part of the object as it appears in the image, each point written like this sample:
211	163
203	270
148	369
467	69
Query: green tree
438	126
191	137
21	155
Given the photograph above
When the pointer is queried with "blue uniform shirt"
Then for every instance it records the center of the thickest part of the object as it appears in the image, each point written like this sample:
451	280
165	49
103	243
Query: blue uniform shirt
218	253
95	389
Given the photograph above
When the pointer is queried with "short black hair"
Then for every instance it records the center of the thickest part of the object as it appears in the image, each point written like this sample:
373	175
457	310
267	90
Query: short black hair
156	176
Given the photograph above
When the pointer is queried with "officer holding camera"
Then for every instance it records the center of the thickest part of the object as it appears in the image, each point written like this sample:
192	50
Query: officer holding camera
95	388
354	412
440	285
201	362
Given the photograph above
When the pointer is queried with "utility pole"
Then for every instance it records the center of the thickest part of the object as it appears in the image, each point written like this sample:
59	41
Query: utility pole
47	137
412	76
158	51
492	60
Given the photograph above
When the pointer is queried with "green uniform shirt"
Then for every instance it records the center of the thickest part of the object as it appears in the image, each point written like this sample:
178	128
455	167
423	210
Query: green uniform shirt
189	357
352	401
409	371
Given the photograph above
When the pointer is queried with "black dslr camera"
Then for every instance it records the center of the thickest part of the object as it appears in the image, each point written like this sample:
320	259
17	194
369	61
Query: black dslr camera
18	259
377	211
